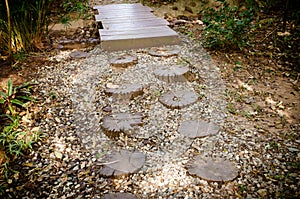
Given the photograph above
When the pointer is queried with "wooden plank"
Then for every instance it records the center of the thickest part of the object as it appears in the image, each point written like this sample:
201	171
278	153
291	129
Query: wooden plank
123	14
137	16
116	45
129	20
129	26
113	12
136	33
134	24
119	6
123	7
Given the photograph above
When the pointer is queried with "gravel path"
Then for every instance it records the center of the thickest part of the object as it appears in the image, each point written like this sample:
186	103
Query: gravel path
72	98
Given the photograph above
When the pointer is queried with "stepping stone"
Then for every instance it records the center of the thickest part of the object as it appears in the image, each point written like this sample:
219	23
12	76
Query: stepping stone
119	196
198	128
178	99
124	91
218	170
121	122
123	61
78	54
122	162
172	73
167	51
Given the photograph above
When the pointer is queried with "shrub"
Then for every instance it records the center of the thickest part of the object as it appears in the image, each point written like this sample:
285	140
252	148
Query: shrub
228	25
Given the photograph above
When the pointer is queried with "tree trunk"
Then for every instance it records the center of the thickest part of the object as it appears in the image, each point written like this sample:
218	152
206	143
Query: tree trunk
9	32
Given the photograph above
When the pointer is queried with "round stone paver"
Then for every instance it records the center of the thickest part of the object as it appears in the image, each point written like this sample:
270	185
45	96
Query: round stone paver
198	128
125	90
122	162
178	99
121	122
78	54
218	170
170	74
166	51
123	61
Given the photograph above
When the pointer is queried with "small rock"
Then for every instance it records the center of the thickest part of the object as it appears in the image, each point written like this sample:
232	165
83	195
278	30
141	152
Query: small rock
76	168
78	54
262	192
58	154
107	109
292	149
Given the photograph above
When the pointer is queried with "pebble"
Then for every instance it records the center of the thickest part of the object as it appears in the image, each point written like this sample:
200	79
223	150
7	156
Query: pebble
74	120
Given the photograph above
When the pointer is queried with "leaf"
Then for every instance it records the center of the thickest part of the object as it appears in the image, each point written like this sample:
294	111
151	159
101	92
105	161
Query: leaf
2	101
9	117
23	93
25	98
3	95
9	87
17	102
10	108
26	85
28	164
122	162
218	169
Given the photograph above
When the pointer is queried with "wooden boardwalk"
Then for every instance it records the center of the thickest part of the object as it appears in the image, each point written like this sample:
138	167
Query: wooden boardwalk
131	26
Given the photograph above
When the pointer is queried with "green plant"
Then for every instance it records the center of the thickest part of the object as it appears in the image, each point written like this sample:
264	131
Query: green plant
231	109
23	25
242	187
238	66
274	145
14	97
228	25
71	7
14	140
247	114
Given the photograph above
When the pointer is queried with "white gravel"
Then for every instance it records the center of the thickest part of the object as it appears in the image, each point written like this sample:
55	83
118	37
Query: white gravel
66	164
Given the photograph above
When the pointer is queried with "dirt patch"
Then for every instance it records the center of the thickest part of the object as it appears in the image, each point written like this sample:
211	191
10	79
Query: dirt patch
260	92
21	71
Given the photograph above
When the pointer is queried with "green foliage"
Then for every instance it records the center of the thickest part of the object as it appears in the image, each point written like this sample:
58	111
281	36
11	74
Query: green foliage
15	139
14	97
227	26
29	23
71	7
